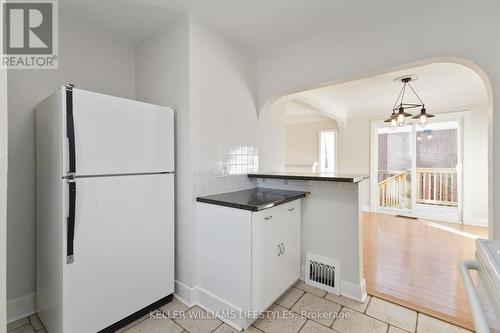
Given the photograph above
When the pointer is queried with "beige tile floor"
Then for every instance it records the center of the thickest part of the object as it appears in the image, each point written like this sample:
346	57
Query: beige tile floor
300	307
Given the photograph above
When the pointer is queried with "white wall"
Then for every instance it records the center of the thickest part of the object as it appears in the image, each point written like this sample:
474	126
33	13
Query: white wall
89	58
302	143
3	198
478	167
162	77
272	138
366	46
223	111
223	83
211	81
354	146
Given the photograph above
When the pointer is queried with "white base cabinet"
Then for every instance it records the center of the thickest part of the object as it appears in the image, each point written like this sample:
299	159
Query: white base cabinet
246	260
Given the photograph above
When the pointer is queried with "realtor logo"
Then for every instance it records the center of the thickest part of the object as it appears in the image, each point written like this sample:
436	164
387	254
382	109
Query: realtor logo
29	34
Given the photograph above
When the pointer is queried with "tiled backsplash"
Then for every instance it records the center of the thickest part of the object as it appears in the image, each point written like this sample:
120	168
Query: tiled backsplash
224	169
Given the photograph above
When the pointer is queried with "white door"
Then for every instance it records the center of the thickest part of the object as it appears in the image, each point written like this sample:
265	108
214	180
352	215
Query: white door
417	171
275	253
119	136
123	249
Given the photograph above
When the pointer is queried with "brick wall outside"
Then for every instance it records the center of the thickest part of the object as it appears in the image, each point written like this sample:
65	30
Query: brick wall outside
435	149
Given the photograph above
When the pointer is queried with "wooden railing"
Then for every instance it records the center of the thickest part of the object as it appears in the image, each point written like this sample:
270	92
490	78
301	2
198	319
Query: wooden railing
435	186
393	191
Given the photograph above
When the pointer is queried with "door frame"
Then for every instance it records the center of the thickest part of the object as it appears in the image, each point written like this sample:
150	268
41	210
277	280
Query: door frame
463	176
3	198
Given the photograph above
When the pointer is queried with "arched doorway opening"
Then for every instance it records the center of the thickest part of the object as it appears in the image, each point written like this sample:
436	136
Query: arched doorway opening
463	105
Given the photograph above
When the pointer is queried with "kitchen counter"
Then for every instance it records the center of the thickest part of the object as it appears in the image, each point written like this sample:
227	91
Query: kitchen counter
254	199
331	219
330	177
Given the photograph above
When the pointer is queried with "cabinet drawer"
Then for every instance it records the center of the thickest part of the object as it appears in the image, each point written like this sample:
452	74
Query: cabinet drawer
275	252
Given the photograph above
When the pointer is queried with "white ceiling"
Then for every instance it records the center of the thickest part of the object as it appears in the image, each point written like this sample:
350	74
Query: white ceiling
263	25
442	86
259	25
131	21
297	113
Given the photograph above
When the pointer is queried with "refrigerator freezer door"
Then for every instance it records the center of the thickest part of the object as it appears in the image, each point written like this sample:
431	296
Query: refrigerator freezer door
123	249
119	136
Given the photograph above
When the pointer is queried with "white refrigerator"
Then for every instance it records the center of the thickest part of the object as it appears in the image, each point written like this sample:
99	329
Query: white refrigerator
105	210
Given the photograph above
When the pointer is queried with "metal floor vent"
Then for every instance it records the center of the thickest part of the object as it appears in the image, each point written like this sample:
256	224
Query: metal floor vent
323	273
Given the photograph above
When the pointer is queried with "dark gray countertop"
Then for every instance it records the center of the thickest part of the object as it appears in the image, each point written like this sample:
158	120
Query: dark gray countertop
329	177
254	199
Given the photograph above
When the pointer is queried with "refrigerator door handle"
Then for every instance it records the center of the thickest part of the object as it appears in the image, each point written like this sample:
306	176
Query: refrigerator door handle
70	130
71	222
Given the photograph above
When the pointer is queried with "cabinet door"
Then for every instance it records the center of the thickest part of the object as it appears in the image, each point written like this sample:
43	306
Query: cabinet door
275	252
290	257
266	252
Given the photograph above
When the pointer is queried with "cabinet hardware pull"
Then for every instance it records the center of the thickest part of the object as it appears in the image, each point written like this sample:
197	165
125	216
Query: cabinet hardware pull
291	209
282	248
279	250
267	218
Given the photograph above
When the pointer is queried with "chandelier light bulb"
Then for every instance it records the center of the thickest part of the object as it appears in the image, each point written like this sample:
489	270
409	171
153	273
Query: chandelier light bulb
401	119
423	120
394	123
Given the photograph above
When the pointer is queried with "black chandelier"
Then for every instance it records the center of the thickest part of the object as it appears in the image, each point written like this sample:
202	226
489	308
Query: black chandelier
399	112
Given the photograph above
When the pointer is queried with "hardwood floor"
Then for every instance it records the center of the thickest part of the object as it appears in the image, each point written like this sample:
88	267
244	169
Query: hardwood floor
415	263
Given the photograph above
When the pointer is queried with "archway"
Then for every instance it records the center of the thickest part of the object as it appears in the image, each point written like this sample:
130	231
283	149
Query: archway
275	105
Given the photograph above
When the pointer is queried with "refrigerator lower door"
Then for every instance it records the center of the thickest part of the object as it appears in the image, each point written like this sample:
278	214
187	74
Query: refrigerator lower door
123	249
114	135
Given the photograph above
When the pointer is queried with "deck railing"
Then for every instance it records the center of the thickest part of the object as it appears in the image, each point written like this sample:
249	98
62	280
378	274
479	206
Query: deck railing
435	186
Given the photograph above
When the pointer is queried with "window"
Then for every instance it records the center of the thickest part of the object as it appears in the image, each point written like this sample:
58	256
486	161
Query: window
327	150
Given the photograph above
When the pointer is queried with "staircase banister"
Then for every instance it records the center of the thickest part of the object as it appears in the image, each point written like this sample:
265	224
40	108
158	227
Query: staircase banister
393	177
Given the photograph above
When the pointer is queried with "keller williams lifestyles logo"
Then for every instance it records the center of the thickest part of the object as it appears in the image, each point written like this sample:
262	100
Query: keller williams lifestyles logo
29	34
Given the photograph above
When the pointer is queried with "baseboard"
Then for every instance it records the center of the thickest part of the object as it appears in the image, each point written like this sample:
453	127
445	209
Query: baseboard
476	222
226	311
468	221
439	219
21	307
204	299
354	291
366	208
347	289
184	293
